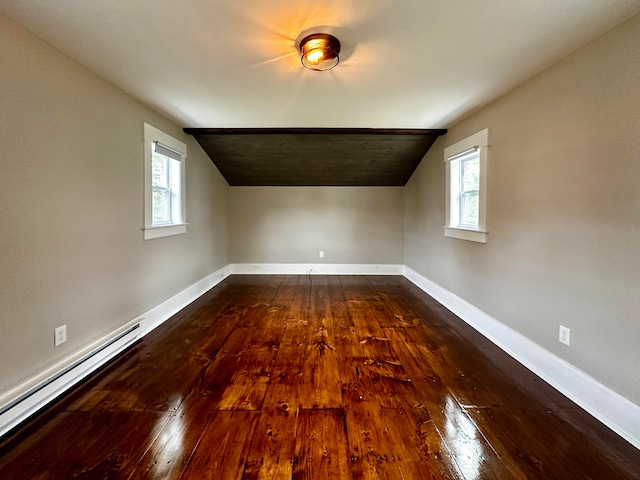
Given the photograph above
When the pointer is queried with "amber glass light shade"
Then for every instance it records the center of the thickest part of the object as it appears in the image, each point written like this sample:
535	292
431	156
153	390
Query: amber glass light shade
320	51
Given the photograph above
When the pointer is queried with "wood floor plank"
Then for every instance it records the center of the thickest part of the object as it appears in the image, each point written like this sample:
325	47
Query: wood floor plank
112	443
223	447
468	374
356	290
473	455
424	306
205	311
356	384
207	340
321	445
248	384
320	383
280	377
432	392
254	315
612	449
390	291
320	314
133	384
341	318
240	375
273	444
170	452
536	439
258	288
300	300
394	386
392	383
370	456
363	319
456	371
470	451
286	291
417	445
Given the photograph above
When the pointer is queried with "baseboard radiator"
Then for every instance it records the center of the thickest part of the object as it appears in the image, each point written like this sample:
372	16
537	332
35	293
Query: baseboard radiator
37	397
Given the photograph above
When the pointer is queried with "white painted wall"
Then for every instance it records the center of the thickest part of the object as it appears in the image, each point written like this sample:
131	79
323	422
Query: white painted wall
563	211
71	209
352	225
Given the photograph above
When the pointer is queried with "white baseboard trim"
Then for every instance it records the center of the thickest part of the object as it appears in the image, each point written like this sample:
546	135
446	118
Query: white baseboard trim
617	412
161	313
24	400
315	269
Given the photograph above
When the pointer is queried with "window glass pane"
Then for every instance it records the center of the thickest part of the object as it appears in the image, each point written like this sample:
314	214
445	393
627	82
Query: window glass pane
469	209
471	174
161	206
160	171
165	180
176	204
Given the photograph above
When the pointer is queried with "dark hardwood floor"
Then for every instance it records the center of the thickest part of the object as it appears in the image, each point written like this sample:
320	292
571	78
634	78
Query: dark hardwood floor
315	377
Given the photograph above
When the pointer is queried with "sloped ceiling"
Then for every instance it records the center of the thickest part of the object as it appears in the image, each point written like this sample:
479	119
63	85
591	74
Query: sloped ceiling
233	64
327	157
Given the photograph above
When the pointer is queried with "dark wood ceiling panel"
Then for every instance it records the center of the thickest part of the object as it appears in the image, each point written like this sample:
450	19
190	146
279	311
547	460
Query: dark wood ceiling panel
315	157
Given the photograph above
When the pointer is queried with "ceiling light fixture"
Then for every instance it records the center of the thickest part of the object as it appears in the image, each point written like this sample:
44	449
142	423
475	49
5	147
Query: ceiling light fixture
320	51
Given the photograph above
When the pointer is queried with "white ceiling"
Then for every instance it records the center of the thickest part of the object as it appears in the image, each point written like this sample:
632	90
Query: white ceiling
233	63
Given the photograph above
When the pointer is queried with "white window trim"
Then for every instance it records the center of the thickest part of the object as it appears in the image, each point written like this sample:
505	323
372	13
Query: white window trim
151	231
480	141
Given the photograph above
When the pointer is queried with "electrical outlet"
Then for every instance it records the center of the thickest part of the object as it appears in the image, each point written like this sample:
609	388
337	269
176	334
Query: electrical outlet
321	254
565	335
60	336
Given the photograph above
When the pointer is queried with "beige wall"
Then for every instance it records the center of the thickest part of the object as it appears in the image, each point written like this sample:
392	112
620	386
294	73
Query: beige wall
71	209
563	210
362	225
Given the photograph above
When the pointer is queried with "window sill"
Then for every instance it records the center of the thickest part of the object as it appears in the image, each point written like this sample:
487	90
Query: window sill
466	234
149	233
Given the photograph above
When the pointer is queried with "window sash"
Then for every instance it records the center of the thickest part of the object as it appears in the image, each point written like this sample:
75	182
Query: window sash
465	199
463	163
162	216
467	218
165	180
163	194
460	197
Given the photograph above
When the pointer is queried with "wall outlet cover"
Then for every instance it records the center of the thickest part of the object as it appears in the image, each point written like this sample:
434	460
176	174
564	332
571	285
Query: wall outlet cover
60	335
564	335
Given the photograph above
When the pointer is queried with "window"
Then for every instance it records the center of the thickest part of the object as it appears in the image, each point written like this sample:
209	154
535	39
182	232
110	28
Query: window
466	166
164	182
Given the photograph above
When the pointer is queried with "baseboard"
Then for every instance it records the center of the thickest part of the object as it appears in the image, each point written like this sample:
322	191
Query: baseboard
612	409
161	313
315	269
21	402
